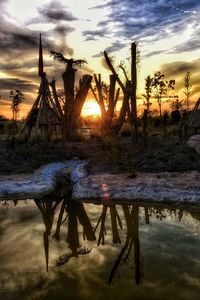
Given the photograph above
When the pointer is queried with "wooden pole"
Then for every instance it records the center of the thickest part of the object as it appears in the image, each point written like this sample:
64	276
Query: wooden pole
69	81
134	88
40	62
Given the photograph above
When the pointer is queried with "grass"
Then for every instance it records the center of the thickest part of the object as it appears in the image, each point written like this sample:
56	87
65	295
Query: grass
108	154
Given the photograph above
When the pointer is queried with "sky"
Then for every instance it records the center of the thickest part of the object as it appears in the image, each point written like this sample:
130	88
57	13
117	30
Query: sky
167	33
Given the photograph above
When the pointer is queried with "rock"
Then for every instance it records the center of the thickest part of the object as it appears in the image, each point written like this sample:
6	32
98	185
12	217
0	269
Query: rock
194	142
166	188
41	183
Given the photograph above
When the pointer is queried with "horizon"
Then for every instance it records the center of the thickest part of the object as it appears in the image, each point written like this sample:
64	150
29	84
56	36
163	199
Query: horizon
167	36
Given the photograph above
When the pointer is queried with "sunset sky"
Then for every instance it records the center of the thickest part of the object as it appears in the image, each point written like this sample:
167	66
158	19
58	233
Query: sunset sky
167	32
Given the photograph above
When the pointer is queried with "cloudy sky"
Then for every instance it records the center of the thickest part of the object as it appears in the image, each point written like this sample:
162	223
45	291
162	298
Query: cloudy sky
167	33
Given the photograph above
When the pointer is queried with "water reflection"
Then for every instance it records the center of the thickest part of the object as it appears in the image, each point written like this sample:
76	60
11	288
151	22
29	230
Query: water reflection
71	222
122	220
74	213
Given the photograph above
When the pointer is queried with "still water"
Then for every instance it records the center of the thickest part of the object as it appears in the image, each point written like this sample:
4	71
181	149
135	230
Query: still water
70	250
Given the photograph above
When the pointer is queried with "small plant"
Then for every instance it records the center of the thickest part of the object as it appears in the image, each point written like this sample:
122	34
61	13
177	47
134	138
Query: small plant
160	88
187	90
17	98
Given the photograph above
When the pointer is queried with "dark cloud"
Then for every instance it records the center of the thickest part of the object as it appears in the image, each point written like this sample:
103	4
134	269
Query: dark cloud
90	38
177	71
18	48
17	41
19	65
95	33
53	12
179	68
9	84
116	46
61	31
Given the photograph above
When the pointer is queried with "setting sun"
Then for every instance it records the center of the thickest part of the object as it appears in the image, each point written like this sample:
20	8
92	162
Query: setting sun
91	108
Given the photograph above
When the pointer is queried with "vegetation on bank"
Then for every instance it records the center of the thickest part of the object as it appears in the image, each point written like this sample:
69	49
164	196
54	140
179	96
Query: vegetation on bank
156	153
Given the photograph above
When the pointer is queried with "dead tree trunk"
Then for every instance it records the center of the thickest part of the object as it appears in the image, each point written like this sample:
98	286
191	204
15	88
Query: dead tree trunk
128	93
107	116
73	104
134	88
106	98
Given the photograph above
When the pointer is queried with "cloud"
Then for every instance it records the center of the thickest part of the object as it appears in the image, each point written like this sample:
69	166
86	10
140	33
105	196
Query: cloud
116	46
136	20
90	38
7	84
53	12
100	54
19	48
94	33
177	70
17	41
153	53
61	31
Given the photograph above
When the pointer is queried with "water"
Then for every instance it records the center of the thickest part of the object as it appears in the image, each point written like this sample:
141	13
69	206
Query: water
68	250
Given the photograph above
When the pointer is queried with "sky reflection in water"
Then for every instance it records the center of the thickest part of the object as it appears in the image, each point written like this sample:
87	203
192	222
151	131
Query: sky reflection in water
92	251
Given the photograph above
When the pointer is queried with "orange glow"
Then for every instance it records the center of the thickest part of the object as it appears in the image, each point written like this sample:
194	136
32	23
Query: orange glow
91	108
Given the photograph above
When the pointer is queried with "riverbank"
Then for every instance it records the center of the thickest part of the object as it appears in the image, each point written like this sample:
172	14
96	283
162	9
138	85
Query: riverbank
43	181
73	180
146	188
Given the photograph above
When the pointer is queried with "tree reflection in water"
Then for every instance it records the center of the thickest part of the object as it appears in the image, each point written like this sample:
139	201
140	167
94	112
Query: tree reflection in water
47	209
74	214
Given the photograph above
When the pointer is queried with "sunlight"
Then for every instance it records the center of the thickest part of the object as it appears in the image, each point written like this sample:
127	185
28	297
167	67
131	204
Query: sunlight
91	108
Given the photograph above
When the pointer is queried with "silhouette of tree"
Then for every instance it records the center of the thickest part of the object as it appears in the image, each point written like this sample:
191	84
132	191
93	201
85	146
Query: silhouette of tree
74	99
160	88
176	106
107	98
129	103
17	98
148	90
70	62
131	215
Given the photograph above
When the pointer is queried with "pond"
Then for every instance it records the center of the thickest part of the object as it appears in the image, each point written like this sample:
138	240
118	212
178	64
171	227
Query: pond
70	250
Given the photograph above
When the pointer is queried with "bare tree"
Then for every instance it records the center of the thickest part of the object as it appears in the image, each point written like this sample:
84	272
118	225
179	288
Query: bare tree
129	103
106	97
73	102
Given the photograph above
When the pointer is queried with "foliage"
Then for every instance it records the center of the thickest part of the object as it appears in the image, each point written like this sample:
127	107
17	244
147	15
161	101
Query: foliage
148	89
70	62
160	87
176	104
17	98
187	90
